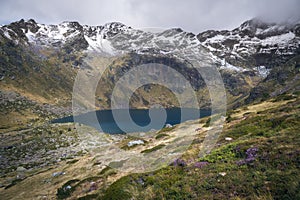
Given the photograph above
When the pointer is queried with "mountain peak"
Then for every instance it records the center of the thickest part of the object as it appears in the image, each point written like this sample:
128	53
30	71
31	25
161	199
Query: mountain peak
32	21
113	28
116	25
24	22
254	24
72	25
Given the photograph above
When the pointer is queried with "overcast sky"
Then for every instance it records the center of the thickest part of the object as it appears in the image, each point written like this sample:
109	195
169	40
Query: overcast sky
190	15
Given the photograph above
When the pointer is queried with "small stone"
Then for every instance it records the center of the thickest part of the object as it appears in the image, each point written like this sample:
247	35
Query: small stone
198	129
21	169
135	142
228	138
222	173
68	187
141	181
93	186
57	174
168	126
92	183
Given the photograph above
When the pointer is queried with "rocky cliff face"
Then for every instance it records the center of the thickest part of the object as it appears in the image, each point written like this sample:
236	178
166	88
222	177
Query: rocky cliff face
254	43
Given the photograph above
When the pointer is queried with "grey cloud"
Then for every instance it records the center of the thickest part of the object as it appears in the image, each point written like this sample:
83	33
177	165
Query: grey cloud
191	15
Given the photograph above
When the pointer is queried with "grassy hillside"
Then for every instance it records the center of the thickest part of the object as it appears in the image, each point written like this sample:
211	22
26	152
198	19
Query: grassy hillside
40	76
282	79
256	157
260	162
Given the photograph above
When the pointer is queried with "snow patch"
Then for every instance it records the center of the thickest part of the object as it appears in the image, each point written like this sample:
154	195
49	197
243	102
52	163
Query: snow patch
99	44
30	36
215	39
7	34
230	67
278	39
135	142
107	47
226	65
262	71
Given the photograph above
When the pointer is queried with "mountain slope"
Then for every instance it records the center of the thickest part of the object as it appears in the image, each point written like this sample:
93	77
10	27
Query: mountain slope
282	79
53	54
66	47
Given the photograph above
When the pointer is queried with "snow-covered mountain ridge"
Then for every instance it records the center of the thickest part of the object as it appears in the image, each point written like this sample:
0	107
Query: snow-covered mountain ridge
254	45
109	38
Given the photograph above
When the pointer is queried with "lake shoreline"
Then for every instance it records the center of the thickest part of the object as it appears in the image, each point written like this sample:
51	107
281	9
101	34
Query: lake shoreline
105	121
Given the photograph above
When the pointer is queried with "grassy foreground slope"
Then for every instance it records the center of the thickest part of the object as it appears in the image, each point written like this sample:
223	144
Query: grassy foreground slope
261	161
256	157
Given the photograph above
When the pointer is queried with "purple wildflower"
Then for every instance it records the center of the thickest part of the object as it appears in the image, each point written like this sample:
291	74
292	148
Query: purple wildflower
201	164
251	154
241	162
179	162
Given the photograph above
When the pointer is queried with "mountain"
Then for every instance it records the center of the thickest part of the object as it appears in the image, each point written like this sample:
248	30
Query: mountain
255	157
40	62
255	43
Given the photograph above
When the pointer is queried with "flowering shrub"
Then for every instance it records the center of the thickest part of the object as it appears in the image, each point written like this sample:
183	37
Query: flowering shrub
201	164
251	154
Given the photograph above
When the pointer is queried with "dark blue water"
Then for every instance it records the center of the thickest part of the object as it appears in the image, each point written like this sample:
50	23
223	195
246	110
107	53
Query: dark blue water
140	117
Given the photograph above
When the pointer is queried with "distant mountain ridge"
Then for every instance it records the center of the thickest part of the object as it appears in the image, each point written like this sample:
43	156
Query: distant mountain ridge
254	43
53	53
243	46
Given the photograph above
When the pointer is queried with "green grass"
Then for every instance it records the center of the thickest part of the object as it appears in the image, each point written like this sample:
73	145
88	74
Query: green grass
116	191
107	171
161	135
153	149
64	192
228	119
14	182
225	154
166	129
89	197
284	97
273	174
211	120
72	161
